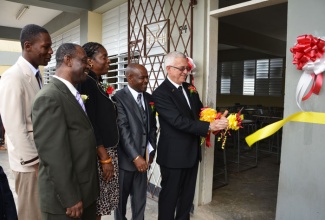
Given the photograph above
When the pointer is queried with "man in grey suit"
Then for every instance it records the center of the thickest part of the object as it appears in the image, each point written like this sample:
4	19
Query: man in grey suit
137	126
18	87
65	141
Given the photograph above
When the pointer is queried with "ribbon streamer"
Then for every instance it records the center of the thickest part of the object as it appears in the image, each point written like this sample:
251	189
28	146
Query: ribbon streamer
317	85
306	117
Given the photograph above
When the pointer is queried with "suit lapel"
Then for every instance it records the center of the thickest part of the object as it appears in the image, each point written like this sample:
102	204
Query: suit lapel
28	74
68	95
177	95
132	102
189	95
148	111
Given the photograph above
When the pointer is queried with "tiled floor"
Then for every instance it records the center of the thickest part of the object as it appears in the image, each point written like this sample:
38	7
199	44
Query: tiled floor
249	195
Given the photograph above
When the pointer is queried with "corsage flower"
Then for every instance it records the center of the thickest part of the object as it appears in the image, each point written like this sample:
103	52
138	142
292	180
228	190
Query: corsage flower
209	115
152	106
107	88
192	89
84	98
234	123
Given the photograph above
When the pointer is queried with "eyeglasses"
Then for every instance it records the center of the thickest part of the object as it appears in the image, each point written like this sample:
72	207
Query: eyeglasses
183	68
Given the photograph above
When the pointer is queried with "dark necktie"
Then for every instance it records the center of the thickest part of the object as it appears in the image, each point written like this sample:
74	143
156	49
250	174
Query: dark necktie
180	89
39	79
144	116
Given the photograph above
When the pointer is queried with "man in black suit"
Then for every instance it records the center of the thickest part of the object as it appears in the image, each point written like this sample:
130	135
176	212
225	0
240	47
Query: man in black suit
137	126
178	106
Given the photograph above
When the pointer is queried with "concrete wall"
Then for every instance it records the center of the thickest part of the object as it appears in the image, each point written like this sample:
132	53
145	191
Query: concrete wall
9	53
301	193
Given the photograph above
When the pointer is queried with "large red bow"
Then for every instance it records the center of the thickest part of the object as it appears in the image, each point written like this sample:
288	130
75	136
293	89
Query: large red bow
307	48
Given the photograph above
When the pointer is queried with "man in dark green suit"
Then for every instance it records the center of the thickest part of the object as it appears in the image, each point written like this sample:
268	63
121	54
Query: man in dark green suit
65	141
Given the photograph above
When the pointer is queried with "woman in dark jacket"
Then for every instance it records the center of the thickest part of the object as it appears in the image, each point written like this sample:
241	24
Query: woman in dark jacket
102	114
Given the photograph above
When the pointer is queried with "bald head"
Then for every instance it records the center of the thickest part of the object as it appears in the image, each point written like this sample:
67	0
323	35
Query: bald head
137	77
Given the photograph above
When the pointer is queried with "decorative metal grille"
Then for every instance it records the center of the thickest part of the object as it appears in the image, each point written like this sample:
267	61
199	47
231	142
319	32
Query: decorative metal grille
156	27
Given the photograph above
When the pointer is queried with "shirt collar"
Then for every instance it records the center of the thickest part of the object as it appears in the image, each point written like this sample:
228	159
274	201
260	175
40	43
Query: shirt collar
30	66
72	89
175	84
134	93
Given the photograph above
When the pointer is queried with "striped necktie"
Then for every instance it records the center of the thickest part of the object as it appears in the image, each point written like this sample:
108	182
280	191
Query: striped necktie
144	116
80	101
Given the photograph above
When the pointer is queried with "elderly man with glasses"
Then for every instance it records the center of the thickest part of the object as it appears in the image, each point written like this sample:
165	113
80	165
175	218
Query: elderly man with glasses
178	152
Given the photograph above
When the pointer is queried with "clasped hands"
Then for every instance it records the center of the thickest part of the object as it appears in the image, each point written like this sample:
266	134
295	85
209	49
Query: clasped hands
141	164
219	124
75	211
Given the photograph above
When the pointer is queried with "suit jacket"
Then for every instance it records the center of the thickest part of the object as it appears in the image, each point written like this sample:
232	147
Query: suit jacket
18	88
101	112
67	149
180	127
134	135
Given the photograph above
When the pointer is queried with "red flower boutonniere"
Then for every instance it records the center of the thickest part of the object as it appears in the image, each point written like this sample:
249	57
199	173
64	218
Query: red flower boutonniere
107	88
110	90
152	106
192	89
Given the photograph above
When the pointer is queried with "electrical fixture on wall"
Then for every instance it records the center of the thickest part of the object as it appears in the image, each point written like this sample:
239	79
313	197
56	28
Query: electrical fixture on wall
22	11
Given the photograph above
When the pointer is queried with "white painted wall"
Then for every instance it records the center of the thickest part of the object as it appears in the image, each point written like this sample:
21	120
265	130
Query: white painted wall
301	192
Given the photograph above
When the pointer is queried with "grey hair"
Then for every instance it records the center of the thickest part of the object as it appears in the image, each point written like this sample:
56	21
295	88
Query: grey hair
169	58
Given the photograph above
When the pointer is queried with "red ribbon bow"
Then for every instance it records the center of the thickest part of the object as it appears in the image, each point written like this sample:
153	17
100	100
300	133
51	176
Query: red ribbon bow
307	48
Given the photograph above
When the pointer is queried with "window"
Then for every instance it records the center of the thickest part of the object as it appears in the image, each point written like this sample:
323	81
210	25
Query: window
261	77
114	37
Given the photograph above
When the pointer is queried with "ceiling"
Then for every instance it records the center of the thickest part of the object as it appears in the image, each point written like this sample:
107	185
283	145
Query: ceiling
9	10
270	22
43	12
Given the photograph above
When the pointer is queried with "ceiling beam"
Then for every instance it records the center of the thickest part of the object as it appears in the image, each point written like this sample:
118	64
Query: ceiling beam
62	22
245	6
9	33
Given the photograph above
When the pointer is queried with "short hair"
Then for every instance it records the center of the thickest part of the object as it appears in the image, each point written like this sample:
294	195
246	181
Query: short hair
63	50
169	58
130	68
30	32
91	48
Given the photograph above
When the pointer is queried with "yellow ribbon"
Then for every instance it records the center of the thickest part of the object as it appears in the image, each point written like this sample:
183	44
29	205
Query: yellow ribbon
307	117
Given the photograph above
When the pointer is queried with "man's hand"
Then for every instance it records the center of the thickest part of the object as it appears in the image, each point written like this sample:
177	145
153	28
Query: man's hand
151	156
36	169
219	124
75	211
140	164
